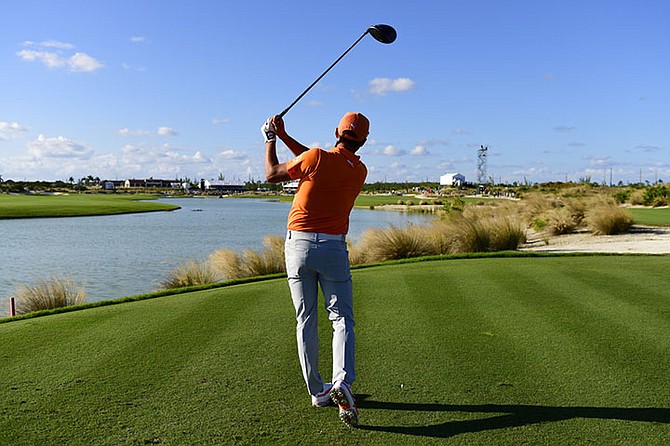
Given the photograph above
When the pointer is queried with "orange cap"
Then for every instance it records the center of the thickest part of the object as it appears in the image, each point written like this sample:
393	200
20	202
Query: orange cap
355	123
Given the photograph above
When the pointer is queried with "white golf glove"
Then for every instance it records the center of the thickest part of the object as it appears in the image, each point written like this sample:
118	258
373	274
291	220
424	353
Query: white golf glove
268	130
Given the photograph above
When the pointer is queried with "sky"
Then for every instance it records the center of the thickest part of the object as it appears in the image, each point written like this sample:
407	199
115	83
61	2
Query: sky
557	90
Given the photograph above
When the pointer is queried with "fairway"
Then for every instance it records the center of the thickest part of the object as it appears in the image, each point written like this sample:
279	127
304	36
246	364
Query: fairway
530	350
32	206
651	216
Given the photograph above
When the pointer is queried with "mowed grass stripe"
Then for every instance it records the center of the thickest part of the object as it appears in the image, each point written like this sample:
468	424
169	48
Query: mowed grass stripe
478	351
32	206
509	338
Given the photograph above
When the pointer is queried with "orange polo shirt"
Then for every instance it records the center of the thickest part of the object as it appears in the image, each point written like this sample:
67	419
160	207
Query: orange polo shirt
330	181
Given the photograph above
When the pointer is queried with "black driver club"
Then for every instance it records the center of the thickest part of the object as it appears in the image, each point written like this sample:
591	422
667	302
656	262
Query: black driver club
382	33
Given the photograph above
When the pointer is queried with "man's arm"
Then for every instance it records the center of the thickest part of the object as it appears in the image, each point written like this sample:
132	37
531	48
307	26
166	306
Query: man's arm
293	145
275	172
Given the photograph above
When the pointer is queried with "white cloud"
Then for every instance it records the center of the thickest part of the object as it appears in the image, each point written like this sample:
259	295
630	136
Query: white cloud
460	131
50	44
51	60
58	147
83	62
219	121
419	151
230	154
391	150
11	130
383	85
54	54
598	160
138	39
127	132
167	131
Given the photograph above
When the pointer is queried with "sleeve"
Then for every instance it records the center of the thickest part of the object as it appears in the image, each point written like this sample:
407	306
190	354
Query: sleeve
302	164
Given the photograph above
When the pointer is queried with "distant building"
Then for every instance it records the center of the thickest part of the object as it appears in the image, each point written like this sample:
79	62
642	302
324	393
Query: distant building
291	187
112	184
221	186
452	179
152	182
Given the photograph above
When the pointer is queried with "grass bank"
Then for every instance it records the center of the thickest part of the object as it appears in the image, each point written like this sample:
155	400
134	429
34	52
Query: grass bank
480	351
77	205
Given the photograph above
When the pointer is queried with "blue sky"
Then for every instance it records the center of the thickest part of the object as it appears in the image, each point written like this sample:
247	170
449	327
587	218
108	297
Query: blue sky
118	89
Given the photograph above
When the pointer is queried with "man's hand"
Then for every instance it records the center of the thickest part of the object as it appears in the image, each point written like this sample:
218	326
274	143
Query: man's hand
269	131
278	122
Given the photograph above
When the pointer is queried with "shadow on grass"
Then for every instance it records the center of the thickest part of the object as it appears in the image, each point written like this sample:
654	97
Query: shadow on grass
505	416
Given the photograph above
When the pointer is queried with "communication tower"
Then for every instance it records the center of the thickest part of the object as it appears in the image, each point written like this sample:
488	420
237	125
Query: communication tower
481	164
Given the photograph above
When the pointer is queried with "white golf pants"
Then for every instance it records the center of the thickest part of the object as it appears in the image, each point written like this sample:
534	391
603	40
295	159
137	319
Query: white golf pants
314	259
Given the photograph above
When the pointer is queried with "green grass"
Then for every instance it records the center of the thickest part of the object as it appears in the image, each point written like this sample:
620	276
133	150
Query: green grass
30	206
651	217
481	351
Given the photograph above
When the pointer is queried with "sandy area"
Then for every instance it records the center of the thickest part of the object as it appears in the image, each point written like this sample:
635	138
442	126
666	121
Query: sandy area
640	240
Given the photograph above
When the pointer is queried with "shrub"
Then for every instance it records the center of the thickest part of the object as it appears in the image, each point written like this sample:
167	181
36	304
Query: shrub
608	219
622	196
655	196
49	294
539	224
188	274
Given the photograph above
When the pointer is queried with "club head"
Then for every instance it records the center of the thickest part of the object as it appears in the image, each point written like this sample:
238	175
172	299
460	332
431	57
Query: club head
383	33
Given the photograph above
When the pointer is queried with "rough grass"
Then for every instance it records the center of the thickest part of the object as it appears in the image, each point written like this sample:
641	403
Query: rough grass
537	350
47	294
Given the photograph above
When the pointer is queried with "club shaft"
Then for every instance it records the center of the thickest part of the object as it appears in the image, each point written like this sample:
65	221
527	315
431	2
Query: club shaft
322	75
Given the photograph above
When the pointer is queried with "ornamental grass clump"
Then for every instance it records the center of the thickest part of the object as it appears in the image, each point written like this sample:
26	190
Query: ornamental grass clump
189	274
250	263
560	221
499	233
379	245
608	219
48	294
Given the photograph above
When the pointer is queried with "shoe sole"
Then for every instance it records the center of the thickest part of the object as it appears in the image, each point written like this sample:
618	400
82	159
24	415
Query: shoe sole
348	415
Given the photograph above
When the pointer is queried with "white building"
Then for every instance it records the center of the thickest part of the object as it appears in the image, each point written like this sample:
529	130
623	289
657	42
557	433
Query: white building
452	179
291	187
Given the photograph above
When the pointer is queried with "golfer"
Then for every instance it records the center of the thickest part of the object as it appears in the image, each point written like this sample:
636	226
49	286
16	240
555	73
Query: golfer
316	249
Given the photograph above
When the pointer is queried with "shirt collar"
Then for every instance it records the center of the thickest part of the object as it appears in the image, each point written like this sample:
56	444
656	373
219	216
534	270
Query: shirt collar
347	154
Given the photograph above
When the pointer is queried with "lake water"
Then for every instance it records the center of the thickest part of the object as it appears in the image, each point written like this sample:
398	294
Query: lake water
124	255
